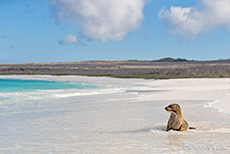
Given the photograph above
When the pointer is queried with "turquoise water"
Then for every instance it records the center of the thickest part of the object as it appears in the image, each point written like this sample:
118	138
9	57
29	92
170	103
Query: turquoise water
12	85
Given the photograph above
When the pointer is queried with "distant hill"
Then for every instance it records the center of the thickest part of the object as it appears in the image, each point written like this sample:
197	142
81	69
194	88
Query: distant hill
173	60
158	69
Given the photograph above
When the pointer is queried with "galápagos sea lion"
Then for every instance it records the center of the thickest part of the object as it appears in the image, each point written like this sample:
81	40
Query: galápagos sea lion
176	121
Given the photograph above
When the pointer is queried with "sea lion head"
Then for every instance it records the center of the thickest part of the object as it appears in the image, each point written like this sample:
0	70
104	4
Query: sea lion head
173	108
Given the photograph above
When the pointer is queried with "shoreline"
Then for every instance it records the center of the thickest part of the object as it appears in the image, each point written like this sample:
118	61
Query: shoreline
125	116
216	90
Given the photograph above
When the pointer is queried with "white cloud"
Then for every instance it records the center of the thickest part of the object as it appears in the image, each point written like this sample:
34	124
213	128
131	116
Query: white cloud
191	21
105	20
69	39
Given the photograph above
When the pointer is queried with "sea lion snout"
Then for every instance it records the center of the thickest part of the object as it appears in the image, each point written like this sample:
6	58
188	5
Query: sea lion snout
168	108
173	107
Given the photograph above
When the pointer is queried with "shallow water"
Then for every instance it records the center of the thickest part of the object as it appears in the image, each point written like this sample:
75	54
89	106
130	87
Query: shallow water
14	85
105	120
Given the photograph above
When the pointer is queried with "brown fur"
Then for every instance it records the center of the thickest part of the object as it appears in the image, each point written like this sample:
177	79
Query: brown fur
176	121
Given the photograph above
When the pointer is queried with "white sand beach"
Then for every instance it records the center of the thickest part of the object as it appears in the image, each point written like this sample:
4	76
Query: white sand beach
125	116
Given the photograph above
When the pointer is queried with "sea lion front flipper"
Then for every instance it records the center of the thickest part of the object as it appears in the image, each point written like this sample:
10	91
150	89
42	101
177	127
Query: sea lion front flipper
180	128
168	129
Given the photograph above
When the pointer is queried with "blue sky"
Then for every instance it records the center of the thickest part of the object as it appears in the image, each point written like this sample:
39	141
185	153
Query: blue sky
80	30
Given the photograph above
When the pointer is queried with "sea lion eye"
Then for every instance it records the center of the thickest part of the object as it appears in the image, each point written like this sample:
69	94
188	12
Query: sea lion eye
170	106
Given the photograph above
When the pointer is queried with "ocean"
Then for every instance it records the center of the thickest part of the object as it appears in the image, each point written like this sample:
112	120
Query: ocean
29	95
14	85
20	95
